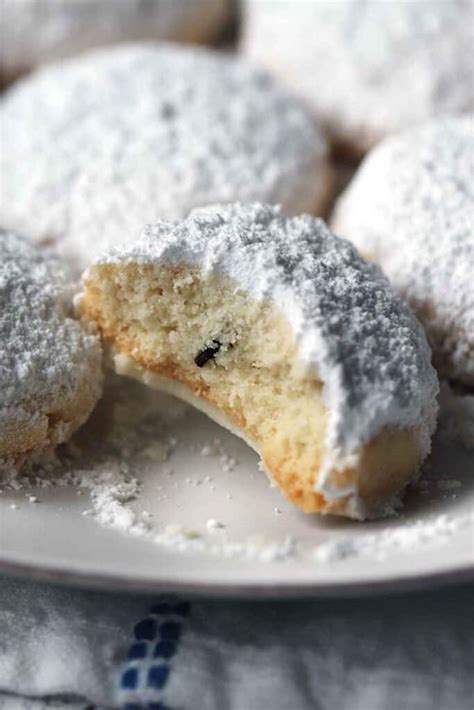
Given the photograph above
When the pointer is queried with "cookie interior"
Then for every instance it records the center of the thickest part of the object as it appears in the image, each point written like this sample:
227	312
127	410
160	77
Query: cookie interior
239	356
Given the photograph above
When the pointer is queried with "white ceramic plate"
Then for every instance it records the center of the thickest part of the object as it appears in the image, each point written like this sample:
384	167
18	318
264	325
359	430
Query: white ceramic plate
266	547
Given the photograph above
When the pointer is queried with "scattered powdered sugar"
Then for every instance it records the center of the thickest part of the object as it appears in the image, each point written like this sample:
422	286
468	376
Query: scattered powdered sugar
110	494
116	145
209	450
408	538
433	486
448	484
100	459
157	451
365	345
133	423
256	547
410	208
228	462
213	524
106	460
368	68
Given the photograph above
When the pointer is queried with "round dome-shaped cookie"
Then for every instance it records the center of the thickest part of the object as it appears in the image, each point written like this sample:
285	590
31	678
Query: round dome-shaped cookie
280	331
98	146
368	68
38	31
410	208
50	364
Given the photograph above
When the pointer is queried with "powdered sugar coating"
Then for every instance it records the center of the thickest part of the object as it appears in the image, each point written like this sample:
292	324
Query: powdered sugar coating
368	68
96	147
37	31
369	351
410	208
46	357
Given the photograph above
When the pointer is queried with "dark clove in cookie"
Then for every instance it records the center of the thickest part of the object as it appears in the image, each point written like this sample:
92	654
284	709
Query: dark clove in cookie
207	354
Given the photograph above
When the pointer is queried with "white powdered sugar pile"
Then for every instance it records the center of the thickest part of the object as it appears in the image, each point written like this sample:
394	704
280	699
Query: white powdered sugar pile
410	208
116	145
110	493
368	350
407	538
255	547
48	360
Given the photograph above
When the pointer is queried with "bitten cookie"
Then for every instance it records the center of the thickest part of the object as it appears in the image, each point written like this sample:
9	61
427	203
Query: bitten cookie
368	68
279	331
50	364
96	147
38	31
410	208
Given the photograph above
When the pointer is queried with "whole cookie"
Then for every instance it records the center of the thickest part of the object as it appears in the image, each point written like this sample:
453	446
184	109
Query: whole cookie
281	332
50	364
38	31
410	208
97	146
368	68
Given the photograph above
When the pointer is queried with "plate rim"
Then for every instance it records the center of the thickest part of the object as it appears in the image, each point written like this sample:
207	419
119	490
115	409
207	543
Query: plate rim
51	574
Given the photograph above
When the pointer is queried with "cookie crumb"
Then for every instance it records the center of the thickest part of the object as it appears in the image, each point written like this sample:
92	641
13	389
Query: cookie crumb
213	524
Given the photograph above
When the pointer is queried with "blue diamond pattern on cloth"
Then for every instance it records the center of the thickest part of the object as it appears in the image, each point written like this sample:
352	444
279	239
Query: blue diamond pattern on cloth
137	650
145	630
170	631
129	678
157	676
152	651
165	649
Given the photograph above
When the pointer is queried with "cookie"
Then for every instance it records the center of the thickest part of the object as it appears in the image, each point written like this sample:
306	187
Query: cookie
50	363
279	331
137	133
368	69
410	208
39	31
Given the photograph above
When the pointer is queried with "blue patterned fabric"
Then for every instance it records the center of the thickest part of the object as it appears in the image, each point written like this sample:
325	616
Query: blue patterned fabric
70	649
149	662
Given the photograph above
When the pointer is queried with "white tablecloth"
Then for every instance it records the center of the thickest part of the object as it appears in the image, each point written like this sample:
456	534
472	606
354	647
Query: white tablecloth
72	649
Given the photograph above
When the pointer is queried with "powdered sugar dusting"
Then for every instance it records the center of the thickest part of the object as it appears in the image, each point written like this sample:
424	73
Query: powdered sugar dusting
261	548
405	538
410	208
368	68
116	485
137	422
367	348
45	355
66	27
139	132
110	494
